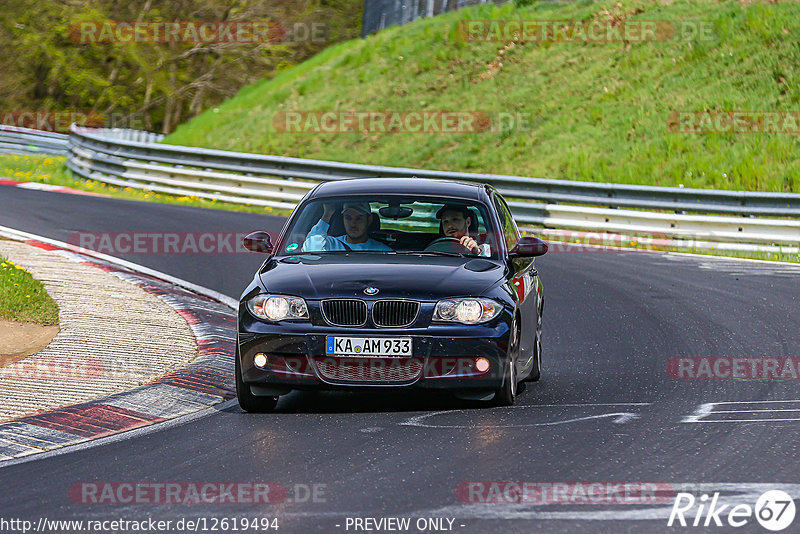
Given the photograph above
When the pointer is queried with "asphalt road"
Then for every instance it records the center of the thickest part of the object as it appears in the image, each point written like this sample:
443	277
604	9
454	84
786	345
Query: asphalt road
606	410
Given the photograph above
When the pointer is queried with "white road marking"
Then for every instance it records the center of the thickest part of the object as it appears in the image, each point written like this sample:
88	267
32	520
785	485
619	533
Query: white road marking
734	266
751	411
704	411
39	186
620	417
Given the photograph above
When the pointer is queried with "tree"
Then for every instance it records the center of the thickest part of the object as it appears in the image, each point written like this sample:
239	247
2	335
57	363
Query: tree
51	66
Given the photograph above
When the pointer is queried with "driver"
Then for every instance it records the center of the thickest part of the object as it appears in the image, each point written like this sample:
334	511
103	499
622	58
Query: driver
455	222
357	218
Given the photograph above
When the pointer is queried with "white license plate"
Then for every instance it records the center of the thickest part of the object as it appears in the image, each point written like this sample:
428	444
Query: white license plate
368	346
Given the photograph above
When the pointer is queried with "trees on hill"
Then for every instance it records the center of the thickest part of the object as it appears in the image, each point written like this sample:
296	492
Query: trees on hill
122	61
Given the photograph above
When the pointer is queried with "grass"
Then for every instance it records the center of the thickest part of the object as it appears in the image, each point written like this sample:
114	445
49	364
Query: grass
53	170
596	111
23	298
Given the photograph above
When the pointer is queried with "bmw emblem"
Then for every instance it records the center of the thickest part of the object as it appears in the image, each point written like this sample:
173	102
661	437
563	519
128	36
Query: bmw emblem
371	291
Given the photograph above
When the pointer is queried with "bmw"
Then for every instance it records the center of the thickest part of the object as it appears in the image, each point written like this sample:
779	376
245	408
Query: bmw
392	283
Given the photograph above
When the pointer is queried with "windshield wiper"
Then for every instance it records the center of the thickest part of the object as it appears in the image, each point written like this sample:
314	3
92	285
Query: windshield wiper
432	253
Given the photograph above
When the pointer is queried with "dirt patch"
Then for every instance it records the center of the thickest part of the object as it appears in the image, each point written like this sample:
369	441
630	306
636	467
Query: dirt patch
18	340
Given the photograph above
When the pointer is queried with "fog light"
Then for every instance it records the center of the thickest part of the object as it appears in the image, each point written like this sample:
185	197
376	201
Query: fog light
260	360
482	365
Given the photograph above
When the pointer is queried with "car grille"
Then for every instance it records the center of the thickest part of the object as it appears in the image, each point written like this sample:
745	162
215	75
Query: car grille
372	370
345	312
394	312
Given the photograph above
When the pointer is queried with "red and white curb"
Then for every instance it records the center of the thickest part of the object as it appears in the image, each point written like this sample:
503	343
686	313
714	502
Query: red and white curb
39	186
207	381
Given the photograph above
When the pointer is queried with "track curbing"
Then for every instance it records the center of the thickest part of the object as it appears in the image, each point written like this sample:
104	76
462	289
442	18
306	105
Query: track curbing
204	382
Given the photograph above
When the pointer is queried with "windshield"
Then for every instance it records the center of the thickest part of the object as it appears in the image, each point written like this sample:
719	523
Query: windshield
392	225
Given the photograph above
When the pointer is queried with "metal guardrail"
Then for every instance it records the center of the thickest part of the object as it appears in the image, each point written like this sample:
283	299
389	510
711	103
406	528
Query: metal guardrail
16	140
749	203
211	174
130	158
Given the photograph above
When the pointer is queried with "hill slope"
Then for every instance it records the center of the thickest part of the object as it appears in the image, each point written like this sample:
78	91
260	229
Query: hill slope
597	111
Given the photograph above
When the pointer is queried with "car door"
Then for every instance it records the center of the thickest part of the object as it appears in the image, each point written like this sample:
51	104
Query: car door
525	283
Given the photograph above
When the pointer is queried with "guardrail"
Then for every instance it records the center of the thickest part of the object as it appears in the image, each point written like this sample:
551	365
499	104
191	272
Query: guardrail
130	158
16	140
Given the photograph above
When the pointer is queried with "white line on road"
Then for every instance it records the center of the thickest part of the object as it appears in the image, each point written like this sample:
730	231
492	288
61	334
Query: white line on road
703	411
620	417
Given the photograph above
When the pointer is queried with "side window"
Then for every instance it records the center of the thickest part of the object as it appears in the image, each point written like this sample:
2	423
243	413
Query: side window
510	231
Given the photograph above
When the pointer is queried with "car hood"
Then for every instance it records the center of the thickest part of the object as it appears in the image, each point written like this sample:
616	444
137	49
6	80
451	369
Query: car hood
403	276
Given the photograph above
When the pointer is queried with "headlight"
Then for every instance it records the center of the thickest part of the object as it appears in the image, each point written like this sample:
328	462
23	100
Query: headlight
467	310
277	308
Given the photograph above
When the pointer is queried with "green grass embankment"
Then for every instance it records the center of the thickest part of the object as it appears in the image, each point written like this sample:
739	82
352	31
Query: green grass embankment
597	111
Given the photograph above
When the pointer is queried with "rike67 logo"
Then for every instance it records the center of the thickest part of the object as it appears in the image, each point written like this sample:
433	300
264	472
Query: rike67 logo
774	510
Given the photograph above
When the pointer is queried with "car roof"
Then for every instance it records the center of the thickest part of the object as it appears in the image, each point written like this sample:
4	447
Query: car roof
407	186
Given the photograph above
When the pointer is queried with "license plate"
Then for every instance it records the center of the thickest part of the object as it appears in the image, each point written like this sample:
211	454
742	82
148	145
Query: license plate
368	346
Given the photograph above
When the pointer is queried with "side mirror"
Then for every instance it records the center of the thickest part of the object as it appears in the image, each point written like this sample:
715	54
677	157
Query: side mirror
528	247
258	242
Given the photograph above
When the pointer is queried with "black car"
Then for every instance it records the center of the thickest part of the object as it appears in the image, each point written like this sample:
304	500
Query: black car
392	283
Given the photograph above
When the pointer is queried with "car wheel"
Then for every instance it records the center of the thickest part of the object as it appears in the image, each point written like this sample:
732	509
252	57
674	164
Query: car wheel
507	393
536	372
248	401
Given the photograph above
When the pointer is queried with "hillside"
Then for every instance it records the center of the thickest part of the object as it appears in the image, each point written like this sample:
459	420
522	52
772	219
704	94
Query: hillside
601	111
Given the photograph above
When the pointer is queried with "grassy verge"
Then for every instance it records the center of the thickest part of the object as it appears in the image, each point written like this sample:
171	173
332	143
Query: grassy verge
23	298
53	170
598	111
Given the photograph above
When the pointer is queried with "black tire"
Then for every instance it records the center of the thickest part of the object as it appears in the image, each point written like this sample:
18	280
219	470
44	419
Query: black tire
507	393
536	372
248	401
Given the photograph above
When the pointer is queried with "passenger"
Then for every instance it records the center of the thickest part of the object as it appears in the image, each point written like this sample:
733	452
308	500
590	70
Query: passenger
357	217
456	220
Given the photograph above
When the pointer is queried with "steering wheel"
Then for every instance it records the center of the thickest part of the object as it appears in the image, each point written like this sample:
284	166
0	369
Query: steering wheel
447	244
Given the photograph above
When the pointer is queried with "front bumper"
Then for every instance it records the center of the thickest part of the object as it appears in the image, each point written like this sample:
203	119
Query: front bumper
443	357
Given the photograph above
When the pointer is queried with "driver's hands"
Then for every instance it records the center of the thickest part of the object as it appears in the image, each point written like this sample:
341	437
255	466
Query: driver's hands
328	211
471	244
